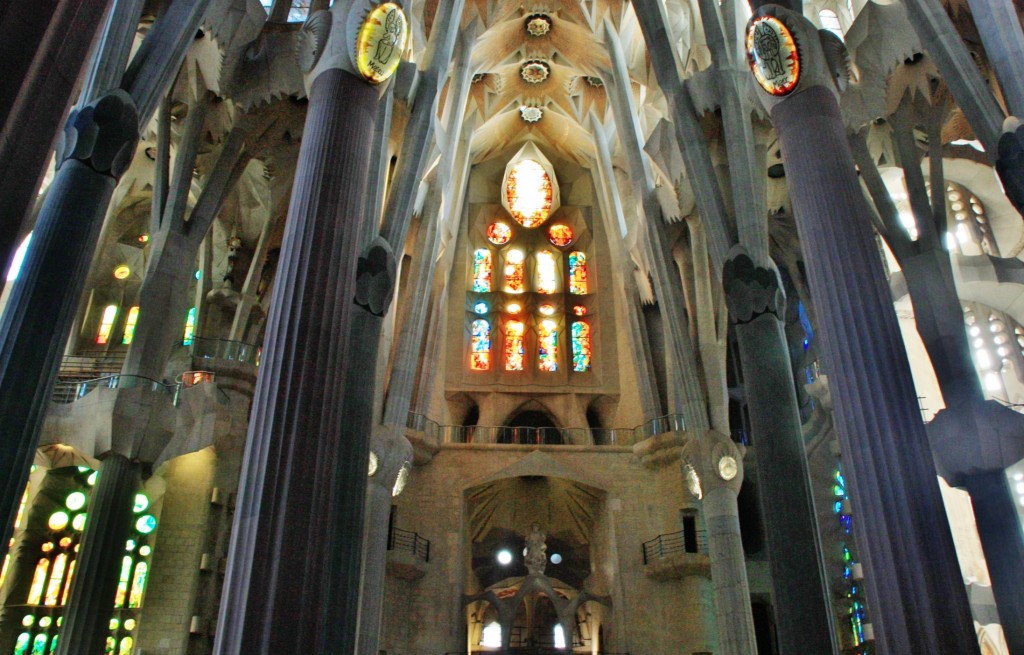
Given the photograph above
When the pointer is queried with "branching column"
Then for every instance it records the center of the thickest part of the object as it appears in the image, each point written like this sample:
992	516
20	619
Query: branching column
921	606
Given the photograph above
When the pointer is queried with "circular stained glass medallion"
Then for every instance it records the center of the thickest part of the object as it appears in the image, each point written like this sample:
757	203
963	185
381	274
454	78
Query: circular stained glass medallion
773	55
58	521
499	233
535	71
560	235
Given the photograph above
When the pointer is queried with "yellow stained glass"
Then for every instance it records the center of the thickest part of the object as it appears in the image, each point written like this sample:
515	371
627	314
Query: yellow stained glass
3	572
21	508
106	324
67	587
515	272
21	645
56	579
129	325
35	591
581	347
480	346
560	235
547	272
138	585
499	233
547	351
515	352
126	646
529	193
122	582
579	282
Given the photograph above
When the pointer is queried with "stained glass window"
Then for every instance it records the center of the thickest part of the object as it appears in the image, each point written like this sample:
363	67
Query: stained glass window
129	325
515	352
106	324
480	348
515	272
529	193
499	233
546	310
560	235
578	273
480	308
190	328
482	270
579	310
547	346
547	272
581	347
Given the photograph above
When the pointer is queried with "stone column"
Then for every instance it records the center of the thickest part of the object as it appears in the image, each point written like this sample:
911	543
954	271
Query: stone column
757	309
914	580
1003	543
393	459
46	45
90	603
295	553
713	471
98	144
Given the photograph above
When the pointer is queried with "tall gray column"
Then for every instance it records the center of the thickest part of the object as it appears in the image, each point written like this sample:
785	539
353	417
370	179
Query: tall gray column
757	309
86	622
277	570
1003	543
98	143
35	94
915	582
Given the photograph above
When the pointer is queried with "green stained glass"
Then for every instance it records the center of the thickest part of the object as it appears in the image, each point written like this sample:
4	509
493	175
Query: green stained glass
122	584
75	501
53	644
138	585
39	644
126	646
581	347
146	524
190	328
21	645
141	503
482	270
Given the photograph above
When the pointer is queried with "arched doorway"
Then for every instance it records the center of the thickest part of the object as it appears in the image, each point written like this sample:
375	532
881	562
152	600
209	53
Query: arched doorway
530	427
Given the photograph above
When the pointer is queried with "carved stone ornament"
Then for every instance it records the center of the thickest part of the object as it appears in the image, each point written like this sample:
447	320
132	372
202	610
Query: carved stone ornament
750	290
375	278
773	55
538	24
531	114
381	42
311	39
535	71
102	135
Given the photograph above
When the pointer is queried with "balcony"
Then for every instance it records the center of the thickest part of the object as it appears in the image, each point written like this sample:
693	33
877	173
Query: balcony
408	554
677	555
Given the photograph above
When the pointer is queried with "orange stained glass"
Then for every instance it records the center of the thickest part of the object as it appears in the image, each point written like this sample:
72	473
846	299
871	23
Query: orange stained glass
547	272
67	587
515	272
3	571
547	347
499	233
106	324
579	310
560	235
35	591
21	508
529	192
515	352
56	579
480	345
578	279
482	270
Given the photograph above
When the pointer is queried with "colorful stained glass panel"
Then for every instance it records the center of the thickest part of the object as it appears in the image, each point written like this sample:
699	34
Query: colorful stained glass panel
515	352
578	279
547	272
480	345
547	350
560	235
529	193
581	347
499	233
482	270
515	272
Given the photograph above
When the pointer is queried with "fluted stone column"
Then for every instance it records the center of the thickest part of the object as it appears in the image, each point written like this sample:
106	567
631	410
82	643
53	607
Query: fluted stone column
98	144
914	581
87	617
757	308
295	554
713	469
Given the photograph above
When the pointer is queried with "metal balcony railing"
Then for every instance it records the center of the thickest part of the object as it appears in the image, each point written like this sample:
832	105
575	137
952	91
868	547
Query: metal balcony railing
409	542
693	541
236	351
505	434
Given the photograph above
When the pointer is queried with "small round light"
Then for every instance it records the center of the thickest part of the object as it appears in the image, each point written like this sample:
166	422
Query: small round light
199	274
129	624
145	551
374	463
130	545
546	310
579	310
141	503
727	468
556	559
91	480
480	308
47	547
28	620
504	557
122	272
514	308
75	501
58	521
45	621
143	238
146	524
499	233
114	624
65	542
560	235
78	523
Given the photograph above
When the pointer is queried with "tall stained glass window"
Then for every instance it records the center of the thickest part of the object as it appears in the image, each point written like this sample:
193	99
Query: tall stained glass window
547	346
581	347
547	272
55	569
578	281
482	270
190	328
106	324
515	351
480	350
129	325
515	272
529	193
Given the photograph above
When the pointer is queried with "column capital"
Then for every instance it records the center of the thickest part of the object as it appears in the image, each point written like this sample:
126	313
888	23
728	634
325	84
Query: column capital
375	277
391	457
102	134
361	37
751	290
